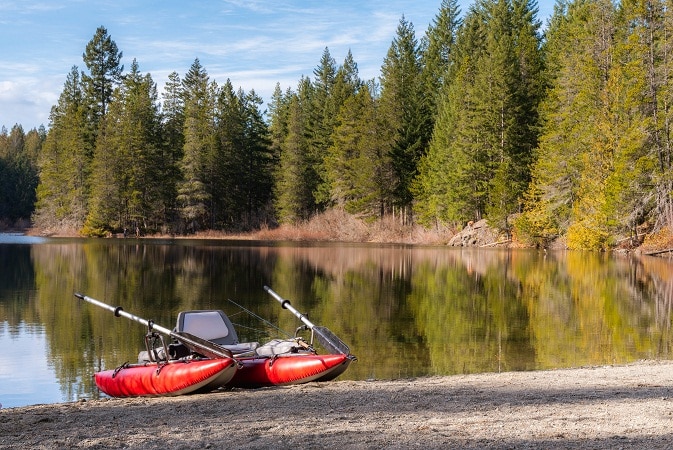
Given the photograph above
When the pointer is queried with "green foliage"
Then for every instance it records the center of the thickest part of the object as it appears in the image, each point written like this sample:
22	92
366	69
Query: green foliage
404	113
128	162
479	159
241	187
194	195
437	51
18	172
65	160
293	182
102	58
356	167
482	119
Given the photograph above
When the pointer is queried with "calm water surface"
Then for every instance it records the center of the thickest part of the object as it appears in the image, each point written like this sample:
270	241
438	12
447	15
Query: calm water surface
405	311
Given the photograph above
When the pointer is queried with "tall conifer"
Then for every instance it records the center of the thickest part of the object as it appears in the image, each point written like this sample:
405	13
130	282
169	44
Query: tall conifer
65	160
293	191
127	182
102	58
194	190
405	112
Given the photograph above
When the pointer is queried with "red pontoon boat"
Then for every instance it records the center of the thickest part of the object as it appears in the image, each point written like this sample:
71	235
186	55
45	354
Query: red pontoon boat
205	355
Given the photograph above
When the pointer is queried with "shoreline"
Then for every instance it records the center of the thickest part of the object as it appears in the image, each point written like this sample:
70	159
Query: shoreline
625	406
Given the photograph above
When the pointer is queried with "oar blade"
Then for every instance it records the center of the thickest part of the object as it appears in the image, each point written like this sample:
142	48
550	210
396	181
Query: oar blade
330	341
202	346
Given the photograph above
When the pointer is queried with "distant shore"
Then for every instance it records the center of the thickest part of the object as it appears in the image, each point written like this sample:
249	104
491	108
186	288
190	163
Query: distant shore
605	407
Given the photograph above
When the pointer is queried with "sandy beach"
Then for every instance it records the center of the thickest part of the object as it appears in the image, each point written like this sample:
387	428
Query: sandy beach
603	407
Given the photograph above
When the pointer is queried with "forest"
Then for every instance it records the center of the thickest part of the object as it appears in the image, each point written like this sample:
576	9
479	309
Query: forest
555	131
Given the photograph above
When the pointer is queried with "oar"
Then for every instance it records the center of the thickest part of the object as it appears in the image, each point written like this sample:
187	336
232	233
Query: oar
327	339
193	343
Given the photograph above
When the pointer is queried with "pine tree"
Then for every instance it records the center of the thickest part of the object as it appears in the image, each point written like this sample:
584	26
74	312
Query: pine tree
102	58
278	114
18	172
194	196
293	192
346	85
227	158
173	120
257	170
450	187
104	213
358	166
573	158
321	114
65	160
128	164
437	51
405	111
662	96
347	81
632	91
482	147
243	180
513	92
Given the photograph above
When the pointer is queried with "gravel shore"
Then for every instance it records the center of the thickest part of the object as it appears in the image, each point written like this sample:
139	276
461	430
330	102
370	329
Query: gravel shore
604	407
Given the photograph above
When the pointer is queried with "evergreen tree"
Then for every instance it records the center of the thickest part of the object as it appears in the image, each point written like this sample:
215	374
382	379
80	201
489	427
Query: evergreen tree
278	114
64	163
405	111
257	171
106	209
347	82
227	157
573	159
485	133
293	192
510	80
102	58
451	186
661	95
194	196
358	164
128	164
345	86
18	172
437	49
321	114
633	133
243	180
173	119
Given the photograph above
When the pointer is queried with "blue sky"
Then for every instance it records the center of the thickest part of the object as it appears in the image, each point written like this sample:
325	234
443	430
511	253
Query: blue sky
254	43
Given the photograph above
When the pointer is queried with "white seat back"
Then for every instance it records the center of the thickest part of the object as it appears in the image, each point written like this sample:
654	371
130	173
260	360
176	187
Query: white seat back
212	325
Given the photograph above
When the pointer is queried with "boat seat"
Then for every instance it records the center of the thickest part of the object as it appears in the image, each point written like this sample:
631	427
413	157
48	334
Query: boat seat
212	325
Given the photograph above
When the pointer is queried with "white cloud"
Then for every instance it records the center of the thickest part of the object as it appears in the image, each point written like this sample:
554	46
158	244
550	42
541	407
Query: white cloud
255	43
27	101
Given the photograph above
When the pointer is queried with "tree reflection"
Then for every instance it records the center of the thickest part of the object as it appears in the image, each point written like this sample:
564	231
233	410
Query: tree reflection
405	311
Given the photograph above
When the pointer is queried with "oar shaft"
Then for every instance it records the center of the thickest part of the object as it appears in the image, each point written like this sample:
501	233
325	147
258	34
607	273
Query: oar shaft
286	305
119	312
194	343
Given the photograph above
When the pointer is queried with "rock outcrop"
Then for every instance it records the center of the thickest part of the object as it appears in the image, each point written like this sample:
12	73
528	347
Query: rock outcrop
475	234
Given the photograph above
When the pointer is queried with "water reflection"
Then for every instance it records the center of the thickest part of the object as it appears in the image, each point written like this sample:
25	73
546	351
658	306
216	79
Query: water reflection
405	311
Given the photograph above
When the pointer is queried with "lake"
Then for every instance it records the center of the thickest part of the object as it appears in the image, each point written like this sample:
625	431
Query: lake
406	311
